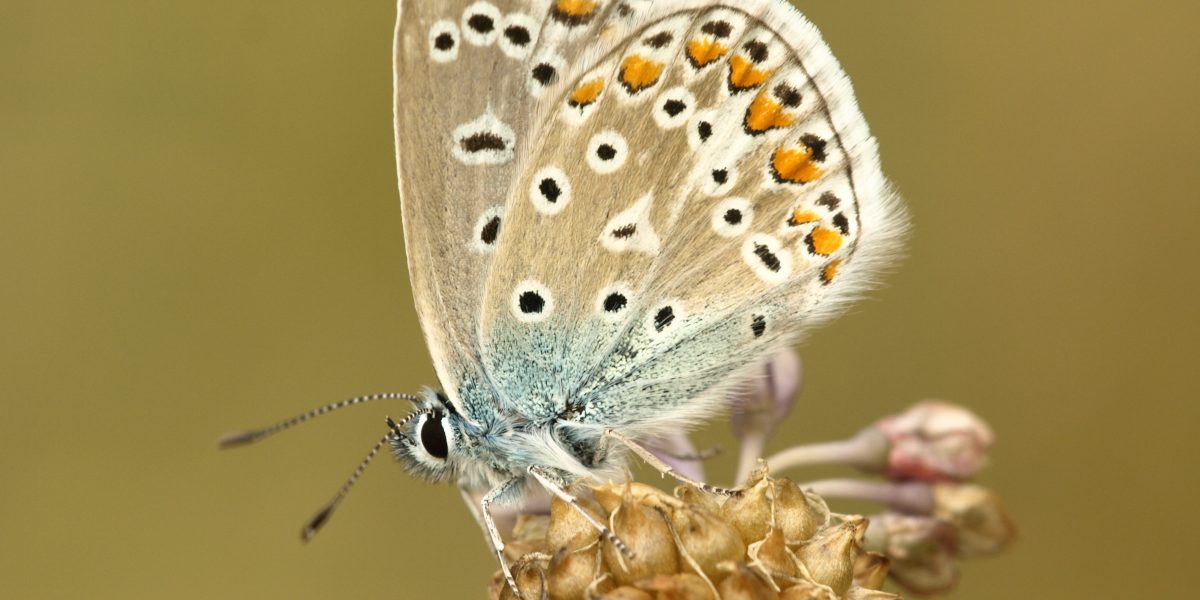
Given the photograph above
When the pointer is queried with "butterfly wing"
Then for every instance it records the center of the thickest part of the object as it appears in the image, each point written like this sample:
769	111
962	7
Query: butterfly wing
700	190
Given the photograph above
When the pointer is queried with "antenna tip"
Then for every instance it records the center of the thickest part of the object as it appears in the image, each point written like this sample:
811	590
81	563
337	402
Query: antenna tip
314	524
235	439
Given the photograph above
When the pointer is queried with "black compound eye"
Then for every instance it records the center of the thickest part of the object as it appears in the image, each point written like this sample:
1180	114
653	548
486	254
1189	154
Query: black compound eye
433	437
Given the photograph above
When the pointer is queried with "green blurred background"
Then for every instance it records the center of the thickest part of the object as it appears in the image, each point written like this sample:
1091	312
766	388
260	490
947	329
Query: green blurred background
199	231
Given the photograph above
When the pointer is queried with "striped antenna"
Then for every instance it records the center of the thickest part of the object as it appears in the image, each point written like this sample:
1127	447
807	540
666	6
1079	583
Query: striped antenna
319	519
241	438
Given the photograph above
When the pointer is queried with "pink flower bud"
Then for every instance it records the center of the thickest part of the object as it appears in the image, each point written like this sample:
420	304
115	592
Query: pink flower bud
767	399
935	441
762	404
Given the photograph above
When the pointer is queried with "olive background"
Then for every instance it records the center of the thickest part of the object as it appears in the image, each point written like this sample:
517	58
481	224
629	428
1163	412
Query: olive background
200	231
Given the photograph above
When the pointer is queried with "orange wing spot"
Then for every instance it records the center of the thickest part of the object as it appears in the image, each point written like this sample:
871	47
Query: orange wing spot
638	73
587	93
824	241
703	51
576	8
790	165
830	271
765	114
803	217
743	75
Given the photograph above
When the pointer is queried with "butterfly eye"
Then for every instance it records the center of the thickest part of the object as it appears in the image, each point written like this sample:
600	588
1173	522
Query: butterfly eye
433	436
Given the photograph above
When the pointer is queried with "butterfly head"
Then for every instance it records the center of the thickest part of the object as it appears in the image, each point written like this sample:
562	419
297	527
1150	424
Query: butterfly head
431	442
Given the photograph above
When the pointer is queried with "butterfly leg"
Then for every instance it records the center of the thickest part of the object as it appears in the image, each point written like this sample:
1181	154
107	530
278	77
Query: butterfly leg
663	467
489	523
555	486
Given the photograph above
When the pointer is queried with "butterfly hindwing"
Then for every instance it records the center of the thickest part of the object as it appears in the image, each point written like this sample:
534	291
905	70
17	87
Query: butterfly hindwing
692	197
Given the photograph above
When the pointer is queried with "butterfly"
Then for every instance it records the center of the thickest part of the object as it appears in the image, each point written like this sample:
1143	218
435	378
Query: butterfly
613	211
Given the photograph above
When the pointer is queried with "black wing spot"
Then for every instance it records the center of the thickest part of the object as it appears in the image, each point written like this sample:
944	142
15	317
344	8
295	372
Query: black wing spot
705	130
659	40
758	325
550	190
733	216
545	74
717	29
518	35
625	232
615	302
664	318
479	142
720	176
768	258
674	107
842	223
756	50
443	42
828	200
490	231
606	152
531	302
817	145
788	95
481	23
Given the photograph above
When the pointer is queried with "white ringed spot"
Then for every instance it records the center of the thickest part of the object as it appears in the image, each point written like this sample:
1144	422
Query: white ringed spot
732	217
768	258
518	35
443	41
485	140
607	152
531	302
613	301
674	108
550	190
486	233
481	23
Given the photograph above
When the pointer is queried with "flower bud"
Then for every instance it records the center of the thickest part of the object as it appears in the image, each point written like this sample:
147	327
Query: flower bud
772	554
807	590
750	512
798	514
871	569
743	583
567	525
707	539
531	580
861	593
768	400
830	554
681	586
759	407
625	593
698	498
646	533
571	571
983	524
921	550
935	441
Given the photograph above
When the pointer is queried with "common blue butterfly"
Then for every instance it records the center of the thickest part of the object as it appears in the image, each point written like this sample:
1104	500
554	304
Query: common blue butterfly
613	210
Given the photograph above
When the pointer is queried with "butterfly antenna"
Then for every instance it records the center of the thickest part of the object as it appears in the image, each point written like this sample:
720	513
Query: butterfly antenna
319	519
241	438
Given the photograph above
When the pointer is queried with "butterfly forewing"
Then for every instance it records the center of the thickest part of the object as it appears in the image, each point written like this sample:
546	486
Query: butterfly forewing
691	199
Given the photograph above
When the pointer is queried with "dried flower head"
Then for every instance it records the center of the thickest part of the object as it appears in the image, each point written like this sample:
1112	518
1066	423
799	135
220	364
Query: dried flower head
773	541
